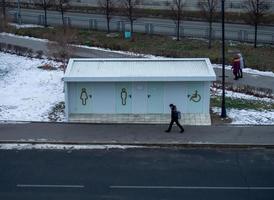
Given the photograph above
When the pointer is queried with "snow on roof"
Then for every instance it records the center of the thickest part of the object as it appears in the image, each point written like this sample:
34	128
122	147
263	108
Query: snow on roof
135	69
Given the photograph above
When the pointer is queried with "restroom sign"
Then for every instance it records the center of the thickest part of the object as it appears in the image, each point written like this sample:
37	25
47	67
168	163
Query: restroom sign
84	96
124	96
194	97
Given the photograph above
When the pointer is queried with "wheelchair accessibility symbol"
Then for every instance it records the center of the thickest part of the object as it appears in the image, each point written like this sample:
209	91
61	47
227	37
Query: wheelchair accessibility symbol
194	97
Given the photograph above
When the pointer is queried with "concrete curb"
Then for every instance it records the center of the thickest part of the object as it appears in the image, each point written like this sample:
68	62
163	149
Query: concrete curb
149	145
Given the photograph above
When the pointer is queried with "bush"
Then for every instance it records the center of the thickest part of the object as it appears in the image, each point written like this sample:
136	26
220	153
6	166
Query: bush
47	67
39	54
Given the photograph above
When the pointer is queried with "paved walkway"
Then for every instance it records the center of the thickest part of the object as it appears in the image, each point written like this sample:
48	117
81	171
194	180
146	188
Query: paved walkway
255	81
205	136
144	135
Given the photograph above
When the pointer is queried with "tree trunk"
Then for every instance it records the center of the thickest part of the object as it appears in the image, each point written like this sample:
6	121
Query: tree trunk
63	19
178	24
4	9
131	18
131	26
108	16
255	36
45	17
108	27
178	29
210	33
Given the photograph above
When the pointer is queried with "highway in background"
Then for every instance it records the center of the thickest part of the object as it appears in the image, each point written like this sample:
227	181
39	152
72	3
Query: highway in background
237	32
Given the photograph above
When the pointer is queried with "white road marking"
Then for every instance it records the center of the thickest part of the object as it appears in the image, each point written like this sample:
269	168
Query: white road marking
190	187
49	186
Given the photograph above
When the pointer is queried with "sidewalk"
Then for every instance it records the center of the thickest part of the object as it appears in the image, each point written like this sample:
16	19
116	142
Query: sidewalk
141	135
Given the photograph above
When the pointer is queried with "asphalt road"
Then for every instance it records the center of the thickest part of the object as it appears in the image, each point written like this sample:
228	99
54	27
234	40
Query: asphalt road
241	32
159	174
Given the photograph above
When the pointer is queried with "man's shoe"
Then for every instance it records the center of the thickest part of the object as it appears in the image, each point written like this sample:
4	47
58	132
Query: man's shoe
167	131
182	131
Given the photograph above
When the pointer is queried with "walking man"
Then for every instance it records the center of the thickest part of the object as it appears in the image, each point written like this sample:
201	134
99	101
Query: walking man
174	118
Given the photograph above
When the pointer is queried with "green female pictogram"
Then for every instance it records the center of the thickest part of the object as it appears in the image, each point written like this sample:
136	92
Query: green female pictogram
84	96
124	96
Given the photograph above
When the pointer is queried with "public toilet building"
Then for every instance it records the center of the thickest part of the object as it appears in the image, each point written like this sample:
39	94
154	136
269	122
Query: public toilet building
138	90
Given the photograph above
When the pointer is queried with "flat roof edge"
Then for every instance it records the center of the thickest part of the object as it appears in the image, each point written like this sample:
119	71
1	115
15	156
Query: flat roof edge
138	79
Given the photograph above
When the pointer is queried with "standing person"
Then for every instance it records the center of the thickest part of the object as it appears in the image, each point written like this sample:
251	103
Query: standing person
236	67
174	118
242	65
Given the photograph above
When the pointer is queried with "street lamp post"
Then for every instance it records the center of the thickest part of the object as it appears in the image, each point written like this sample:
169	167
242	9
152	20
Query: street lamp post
223	112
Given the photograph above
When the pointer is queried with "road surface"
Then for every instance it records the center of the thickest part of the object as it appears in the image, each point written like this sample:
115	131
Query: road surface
160	174
239	32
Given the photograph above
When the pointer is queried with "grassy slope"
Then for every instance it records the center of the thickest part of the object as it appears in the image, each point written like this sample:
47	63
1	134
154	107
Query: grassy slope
242	104
261	58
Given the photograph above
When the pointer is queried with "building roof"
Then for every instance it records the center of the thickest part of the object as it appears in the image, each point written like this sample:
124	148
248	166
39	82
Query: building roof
121	70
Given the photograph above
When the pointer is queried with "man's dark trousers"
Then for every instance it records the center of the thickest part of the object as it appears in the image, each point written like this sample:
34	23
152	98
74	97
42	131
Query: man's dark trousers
178	124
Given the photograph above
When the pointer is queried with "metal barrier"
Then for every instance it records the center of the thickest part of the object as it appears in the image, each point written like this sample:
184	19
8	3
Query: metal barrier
148	28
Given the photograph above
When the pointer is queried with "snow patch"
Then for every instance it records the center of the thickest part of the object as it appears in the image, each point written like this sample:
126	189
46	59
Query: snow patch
29	146
18	26
253	117
237	95
23	37
28	93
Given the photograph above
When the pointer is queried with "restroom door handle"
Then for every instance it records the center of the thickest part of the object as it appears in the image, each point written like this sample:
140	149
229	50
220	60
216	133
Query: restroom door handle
90	96
148	96
130	96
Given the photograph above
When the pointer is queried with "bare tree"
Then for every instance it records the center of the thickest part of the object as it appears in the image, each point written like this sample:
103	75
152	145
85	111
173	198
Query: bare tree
3	16
45	5
177	8
209	11
1	21
130	7
3	10
62	6
60	46
257	10
108	7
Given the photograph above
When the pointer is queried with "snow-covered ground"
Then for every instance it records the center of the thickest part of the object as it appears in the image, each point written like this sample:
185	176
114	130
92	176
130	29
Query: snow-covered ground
28	93
237	95
252	117
239	116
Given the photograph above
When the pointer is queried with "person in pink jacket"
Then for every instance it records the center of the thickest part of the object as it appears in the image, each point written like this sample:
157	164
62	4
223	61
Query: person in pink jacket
236	67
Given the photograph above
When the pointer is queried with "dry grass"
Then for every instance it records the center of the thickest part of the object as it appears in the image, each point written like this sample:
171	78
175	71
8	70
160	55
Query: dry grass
261	58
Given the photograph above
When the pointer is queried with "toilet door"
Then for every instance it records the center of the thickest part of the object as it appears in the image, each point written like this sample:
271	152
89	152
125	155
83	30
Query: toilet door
155	97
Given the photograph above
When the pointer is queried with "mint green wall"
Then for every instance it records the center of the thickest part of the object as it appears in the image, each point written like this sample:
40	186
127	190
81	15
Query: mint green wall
155	97
137	97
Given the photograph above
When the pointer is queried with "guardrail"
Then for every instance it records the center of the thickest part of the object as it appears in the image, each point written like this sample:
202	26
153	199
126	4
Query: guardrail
264	37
